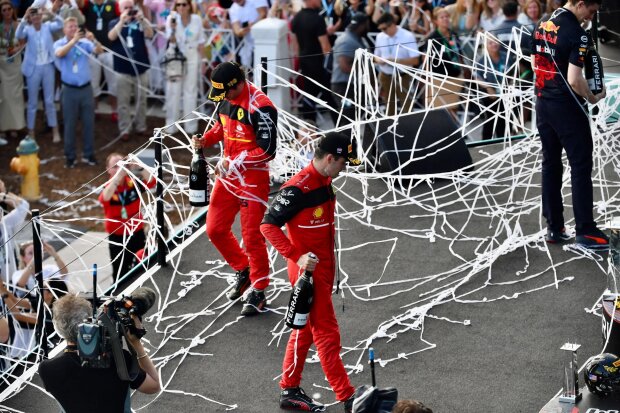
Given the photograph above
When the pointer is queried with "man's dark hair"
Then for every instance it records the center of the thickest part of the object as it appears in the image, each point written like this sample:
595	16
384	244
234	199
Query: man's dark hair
386	18
319	153
410	406
510	9
587	2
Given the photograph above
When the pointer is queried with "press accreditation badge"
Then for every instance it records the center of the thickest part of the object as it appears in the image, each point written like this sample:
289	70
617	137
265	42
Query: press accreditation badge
75	68
130	42
99	24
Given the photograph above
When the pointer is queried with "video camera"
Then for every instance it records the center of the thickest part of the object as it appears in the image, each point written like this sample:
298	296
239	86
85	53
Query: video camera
100	337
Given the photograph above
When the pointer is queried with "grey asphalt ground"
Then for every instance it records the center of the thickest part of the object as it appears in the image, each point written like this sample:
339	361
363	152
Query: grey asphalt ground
505	358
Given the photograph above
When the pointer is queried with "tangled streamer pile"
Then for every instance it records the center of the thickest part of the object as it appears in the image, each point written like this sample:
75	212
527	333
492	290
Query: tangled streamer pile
474	216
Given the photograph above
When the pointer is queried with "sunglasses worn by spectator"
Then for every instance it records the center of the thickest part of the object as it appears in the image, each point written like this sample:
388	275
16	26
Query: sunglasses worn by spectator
182	4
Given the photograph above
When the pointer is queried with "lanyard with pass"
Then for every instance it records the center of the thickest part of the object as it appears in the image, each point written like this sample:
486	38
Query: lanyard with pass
98	10
129	39
76	55
122	197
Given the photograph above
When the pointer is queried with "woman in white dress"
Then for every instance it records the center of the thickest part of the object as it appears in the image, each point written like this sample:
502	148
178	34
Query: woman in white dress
184	30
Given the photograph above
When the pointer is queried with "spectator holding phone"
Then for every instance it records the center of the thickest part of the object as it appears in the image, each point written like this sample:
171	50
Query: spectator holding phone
128	35
121	201
24	280
71	59
38	64
10	223
243	14
184	30
97	15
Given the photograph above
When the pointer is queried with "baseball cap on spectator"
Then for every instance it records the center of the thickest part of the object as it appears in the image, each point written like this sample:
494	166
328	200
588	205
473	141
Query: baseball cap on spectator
358	19
226	76
339	144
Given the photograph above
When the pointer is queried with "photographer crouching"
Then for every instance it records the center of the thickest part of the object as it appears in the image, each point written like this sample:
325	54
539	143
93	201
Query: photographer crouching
80	388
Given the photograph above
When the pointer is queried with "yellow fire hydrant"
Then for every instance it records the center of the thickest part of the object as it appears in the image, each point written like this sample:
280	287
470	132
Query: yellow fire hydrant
27	164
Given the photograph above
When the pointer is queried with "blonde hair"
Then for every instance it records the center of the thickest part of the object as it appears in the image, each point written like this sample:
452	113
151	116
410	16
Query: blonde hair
69	20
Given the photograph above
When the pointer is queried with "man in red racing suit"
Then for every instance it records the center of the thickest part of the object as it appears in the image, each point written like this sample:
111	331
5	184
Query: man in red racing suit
306	204
246	121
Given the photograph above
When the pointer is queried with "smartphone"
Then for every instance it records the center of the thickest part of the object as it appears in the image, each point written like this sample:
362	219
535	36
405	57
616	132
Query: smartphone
34	11
173	20
245	24
133	12
82	29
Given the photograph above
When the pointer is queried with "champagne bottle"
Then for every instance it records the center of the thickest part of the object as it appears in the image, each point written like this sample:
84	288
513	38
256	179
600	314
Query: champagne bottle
198	180
300	303
594	67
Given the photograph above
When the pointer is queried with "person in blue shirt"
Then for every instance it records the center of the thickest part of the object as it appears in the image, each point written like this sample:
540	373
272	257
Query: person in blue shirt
38	63
71	59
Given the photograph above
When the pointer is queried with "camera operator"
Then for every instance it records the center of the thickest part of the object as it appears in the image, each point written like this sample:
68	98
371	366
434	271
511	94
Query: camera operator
80	389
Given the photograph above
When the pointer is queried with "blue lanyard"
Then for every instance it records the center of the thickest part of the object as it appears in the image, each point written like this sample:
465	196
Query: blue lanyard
122	197
76	54
131	27
98	9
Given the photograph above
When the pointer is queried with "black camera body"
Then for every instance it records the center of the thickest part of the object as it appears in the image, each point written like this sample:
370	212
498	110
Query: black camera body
100	338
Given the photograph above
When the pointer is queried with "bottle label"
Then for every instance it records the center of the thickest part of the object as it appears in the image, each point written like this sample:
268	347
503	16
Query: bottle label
197	195
592	84
300	319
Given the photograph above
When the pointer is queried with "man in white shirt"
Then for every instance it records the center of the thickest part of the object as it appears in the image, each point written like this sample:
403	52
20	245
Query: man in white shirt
10	222
396	45
243	14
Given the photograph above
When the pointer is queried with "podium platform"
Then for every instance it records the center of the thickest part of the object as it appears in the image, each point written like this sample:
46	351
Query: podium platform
589	403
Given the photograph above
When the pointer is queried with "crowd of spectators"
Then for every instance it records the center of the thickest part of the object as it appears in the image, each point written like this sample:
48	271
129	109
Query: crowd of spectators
19	301
133	44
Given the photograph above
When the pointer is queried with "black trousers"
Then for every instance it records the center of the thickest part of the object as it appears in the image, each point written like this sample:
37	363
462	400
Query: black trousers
122	256
316	72
565	125
494	123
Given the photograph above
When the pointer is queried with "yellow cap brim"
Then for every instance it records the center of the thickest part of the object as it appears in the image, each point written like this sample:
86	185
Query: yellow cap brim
217	95
354	161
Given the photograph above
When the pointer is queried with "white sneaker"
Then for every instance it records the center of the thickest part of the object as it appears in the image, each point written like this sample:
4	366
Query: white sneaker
56	137
3	141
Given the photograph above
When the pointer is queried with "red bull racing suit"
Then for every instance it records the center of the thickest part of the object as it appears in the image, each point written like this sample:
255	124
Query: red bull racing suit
562	119
248	127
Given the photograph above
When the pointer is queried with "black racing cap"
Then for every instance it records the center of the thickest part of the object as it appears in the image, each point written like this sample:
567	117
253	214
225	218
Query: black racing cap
339	144
225	76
